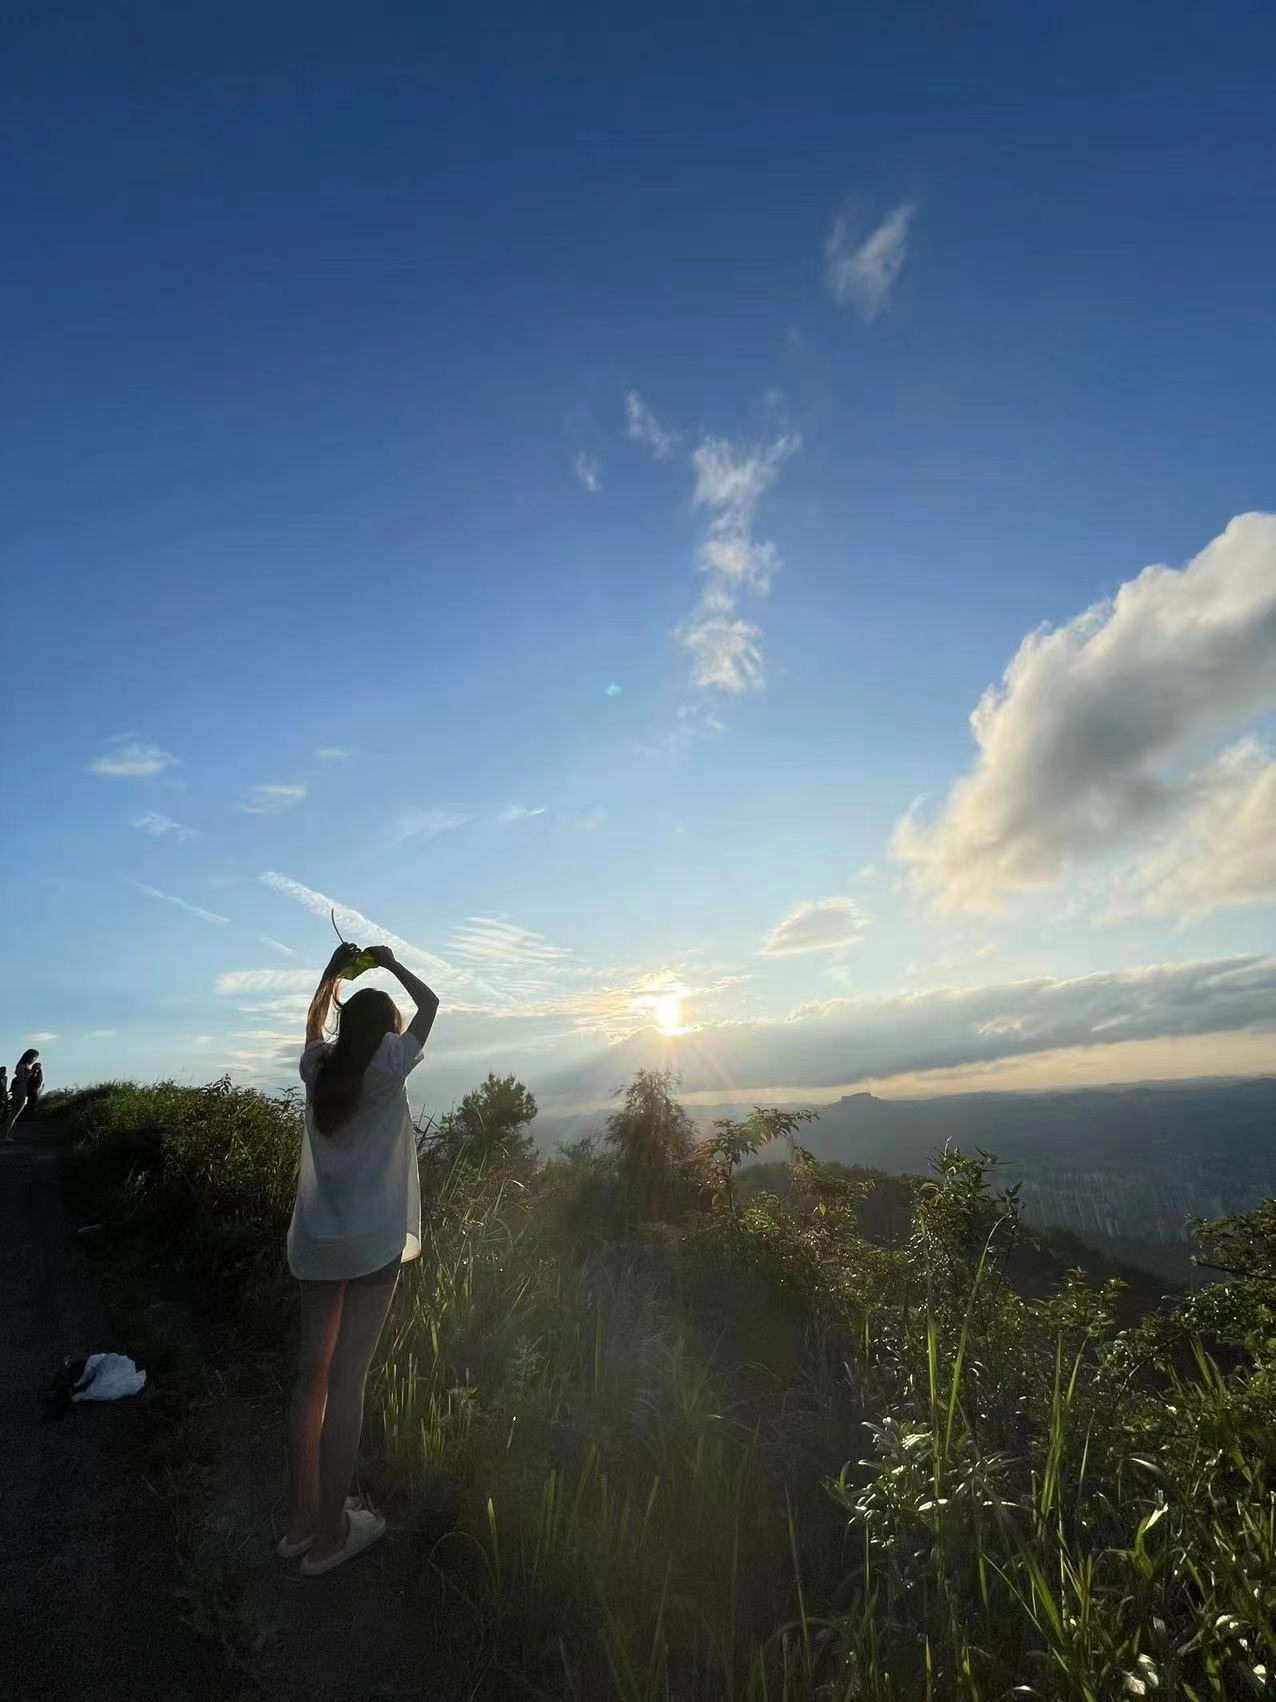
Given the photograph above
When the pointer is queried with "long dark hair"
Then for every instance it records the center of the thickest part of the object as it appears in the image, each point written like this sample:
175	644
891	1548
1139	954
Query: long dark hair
364	1021
28	1057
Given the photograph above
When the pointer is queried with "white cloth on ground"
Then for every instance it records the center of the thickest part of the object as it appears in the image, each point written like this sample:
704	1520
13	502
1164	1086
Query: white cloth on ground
108	1377
358	1192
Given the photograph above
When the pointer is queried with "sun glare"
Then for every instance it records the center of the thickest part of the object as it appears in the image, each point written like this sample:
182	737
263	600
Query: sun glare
665	1009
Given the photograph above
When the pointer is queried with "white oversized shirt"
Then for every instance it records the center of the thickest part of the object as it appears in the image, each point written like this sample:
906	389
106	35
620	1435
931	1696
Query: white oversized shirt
358	1193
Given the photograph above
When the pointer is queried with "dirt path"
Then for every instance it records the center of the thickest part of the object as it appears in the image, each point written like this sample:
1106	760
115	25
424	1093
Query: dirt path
117	1580
88	1556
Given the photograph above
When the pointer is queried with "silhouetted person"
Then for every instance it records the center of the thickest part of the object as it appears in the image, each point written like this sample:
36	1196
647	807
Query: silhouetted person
21	1083
356	1220
35	1085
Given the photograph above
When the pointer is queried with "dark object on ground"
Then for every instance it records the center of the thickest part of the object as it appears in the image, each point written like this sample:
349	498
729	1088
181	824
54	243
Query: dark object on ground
57	1397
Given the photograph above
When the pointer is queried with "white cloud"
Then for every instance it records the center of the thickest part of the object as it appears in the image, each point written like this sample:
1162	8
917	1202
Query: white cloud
863	276
131	757
356	926
1092	744
277	945
273	800
425	824
642	426
513	814
180	903
1222	851
41	1038
724	653
824	924
841	1040
731	480
496	940
588	472
302	981
333	753
161	826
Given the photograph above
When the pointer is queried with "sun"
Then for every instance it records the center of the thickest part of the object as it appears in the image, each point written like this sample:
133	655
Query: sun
665	1008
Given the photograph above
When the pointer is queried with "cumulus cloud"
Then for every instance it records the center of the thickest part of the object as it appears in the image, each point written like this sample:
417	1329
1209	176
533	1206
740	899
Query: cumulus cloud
162	826
180	903
588	473
731	480
333	753
863	275
1222	850
1091	746
642	426
513	814
272	800
132	758
824	924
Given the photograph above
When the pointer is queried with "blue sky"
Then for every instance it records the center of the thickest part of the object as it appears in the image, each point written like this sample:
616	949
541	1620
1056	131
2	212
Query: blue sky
400	392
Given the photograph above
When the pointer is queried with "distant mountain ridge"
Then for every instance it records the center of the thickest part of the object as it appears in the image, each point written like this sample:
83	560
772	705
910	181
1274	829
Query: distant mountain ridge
1122	1166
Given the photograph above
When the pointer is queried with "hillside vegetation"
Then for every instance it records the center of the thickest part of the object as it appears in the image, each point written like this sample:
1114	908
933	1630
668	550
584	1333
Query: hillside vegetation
661	1436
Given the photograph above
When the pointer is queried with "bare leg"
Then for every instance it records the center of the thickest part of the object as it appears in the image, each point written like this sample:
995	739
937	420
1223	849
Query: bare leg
321	1310
363	1313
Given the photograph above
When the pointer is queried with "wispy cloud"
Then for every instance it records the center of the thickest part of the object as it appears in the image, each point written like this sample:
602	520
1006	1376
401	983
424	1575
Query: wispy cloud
161	826
277	945
731	480
824	924
513	814
642	426
494	939
588	821
302	981
41	1038
333	753
424	824
863	275
588	472
355	925
180	903
272	800
102	1034
130	757
726	652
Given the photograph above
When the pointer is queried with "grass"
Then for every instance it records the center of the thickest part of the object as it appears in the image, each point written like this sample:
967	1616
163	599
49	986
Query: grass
744	1451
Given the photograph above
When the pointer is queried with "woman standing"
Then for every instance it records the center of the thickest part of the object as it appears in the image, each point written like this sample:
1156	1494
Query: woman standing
356	1220
29	1060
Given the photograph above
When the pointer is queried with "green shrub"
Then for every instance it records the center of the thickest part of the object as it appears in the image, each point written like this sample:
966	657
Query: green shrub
667	1432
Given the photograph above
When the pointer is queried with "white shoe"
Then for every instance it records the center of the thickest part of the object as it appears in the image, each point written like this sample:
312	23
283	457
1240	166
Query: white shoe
290	1550
363	1528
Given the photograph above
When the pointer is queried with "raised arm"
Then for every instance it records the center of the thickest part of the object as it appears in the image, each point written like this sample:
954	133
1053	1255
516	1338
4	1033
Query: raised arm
321	1004
426	1001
